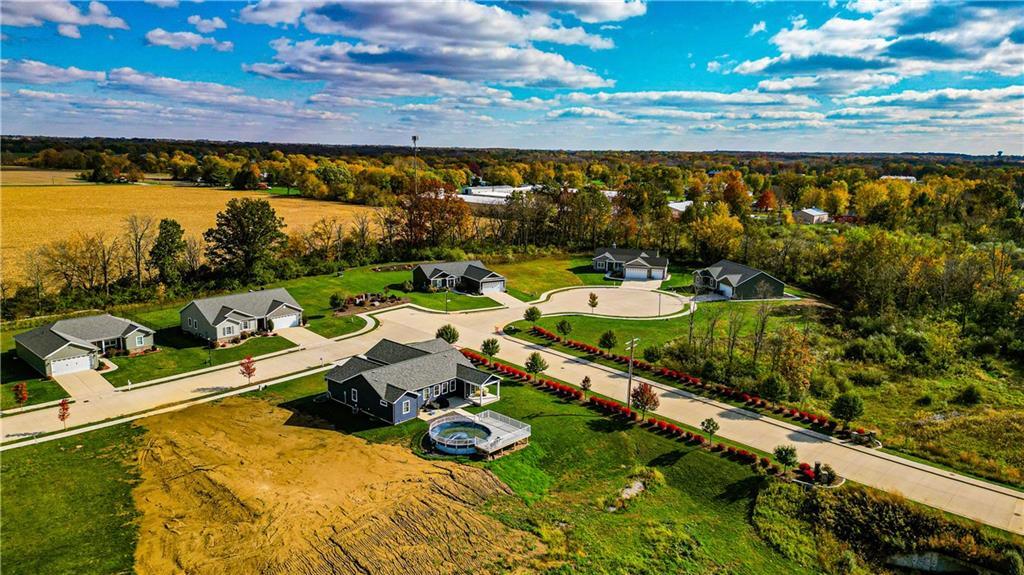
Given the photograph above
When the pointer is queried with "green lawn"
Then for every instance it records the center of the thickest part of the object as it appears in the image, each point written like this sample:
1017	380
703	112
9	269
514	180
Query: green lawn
68	505
314	293
697	523
181	352
528	279
679	277
13	371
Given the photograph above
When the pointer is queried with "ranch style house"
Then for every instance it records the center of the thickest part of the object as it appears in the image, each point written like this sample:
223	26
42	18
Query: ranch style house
737	281
223	318
471	277
71	345
631	264
393	381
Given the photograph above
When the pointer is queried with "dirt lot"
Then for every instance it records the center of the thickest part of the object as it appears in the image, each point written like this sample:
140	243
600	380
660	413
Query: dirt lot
35	213
238	488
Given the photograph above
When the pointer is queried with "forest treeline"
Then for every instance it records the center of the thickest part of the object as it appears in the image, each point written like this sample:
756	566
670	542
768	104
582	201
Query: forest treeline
946	249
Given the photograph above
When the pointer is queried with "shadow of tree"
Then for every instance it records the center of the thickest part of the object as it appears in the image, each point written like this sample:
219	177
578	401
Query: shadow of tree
667	459
607	425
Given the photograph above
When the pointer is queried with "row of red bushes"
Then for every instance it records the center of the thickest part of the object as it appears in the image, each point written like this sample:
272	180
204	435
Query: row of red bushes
750	400
614	408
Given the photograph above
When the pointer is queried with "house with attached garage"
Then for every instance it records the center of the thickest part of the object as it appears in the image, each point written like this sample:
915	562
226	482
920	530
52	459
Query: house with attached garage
737	281
393	381
631	264
223	318
468	277
76	344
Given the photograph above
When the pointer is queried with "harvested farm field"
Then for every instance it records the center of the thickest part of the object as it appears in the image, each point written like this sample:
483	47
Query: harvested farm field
35	214
242	487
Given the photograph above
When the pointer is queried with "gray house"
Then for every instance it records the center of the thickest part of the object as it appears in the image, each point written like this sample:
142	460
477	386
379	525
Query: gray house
227	317
631	264
737	281
468	277
392	381
71	345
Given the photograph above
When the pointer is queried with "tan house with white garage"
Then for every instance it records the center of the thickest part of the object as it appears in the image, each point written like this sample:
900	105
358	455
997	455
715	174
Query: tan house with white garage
71	345
224	318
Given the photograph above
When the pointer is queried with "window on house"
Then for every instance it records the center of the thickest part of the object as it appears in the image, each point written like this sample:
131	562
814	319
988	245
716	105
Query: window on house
406	408
355	396
383	403
437	390
140	340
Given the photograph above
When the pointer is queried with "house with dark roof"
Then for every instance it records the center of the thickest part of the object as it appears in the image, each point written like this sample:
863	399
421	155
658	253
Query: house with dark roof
467	277
810	216
393	381
737	281
226	317
631	264
71	345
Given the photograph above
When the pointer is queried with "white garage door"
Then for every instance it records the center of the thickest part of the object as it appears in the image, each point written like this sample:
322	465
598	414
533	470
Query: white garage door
493	286
635	273
70	365
285	321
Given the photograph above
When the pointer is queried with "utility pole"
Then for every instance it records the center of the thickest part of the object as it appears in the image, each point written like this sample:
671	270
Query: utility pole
630	345
415	165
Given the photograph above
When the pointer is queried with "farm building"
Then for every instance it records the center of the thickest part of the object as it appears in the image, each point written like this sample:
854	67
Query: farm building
468	277
393	381
810	216
631	264
227	317
737	281
71	345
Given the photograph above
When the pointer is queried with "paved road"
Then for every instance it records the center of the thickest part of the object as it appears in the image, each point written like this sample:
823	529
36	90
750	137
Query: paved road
994	505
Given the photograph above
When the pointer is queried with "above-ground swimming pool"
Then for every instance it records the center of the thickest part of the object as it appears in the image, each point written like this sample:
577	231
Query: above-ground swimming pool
458	436
486	433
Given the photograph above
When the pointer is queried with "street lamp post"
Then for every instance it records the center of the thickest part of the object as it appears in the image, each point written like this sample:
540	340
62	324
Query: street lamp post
415	165
630	345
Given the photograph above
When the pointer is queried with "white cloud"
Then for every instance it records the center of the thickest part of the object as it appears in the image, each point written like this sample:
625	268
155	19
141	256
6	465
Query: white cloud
714	66
941	97
757	28
586	112
66	15
206	26
182	40
163	3
590	11
69	31
35	72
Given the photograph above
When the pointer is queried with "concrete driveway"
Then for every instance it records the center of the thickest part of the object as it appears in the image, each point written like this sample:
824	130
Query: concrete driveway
302	337
87	384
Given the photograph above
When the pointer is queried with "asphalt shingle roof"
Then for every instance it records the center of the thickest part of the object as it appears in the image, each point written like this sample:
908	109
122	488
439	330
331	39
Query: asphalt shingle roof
624	255
734	273
46	339
473	269
253	304
412	368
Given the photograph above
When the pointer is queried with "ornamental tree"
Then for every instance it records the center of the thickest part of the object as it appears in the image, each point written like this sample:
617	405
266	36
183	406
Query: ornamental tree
608	340
20	393
564	327
710	427
247	367
64	412
644	398
448	333
785	455
490	347
532	314
535	363
585	385
592	302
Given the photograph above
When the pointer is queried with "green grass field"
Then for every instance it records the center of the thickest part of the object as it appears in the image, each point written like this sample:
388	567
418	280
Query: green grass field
314	293
68	505
527	280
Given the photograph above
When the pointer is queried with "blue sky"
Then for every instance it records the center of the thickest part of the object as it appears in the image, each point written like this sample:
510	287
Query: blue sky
867	75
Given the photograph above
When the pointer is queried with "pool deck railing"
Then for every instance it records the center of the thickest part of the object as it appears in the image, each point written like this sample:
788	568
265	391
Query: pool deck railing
504	431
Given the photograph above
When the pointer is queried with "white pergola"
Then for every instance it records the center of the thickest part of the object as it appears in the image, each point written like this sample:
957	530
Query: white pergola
480	393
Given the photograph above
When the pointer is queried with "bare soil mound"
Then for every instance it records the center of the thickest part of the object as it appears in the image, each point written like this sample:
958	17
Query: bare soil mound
230	488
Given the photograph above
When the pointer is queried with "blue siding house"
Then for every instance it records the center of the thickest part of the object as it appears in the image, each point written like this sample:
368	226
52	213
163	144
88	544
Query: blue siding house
393	381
